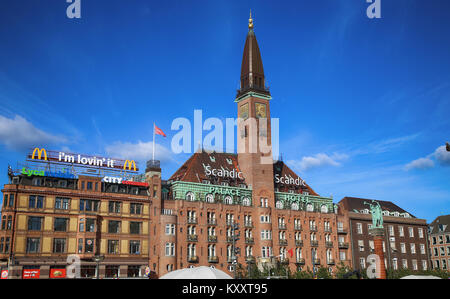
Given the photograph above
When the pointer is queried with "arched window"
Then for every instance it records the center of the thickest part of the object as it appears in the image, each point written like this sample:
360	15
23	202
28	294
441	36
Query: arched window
279	204
309	208
246	201
295	206
190	196
228	200
324	209
209	198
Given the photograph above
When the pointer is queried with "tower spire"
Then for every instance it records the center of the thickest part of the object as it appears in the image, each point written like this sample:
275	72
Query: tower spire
250	21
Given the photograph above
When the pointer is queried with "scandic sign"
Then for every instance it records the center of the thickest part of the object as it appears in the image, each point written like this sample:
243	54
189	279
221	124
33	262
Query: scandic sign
43	154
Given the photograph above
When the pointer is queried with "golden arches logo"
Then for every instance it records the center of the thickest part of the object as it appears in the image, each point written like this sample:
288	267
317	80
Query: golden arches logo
129	163
39	153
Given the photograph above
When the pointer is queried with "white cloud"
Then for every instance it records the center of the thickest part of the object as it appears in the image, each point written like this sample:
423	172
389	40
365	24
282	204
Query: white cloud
318	160
18	133
138	151
440	155
421	163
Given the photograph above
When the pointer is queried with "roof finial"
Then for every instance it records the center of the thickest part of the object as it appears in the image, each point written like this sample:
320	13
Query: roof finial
250	21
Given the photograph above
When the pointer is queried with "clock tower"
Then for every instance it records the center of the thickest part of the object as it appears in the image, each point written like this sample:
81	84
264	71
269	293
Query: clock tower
254	130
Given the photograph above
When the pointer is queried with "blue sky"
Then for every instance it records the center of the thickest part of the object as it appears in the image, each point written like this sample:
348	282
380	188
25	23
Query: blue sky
363	103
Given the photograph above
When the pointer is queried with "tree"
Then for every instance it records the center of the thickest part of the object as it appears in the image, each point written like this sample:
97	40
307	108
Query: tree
323	273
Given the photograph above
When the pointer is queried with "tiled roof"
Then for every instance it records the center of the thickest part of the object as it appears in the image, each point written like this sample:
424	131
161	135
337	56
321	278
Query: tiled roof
193	170
357	204
440	225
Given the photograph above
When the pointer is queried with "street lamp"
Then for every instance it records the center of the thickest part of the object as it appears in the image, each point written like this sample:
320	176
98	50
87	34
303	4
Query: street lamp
98	259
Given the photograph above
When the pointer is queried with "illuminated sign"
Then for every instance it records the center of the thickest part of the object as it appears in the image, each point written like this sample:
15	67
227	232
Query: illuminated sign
288	180
59	174
223	173
116	180
39	153
129	163
87	160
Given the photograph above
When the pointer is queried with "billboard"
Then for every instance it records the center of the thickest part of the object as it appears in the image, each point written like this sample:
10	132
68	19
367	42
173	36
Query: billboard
41	154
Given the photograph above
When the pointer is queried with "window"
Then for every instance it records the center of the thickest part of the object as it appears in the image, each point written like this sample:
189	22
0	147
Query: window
60	224
324	209
424	265
266	235
114	227
279	204
342	255
36	182
9	223
136	208
135	247
264	202
35	202
400	231
170	249
359	229
170	229
89	186
246	201
62	203
402	248
34	223
33	245
209	198
59	245
190	196
113	246
411	232
362	262
111	271
228	200
405	264
295	206
395	263
266	251
135	227
265	218
309	208
89	205
11	200
114	206
420	231
422	248
361	245
391	230
413	248
89	246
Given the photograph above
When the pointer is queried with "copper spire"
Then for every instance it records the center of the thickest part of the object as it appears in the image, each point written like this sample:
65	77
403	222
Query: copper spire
252	71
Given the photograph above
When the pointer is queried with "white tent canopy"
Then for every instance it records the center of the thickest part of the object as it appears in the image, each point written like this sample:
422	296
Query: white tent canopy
420	277
202	272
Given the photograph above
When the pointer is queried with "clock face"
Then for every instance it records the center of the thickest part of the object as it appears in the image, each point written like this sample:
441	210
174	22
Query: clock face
244	111
260	110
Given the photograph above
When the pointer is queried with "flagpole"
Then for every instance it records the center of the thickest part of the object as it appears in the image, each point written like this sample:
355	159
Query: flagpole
153	157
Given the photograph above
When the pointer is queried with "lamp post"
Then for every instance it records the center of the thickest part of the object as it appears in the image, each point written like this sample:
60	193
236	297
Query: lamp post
98	259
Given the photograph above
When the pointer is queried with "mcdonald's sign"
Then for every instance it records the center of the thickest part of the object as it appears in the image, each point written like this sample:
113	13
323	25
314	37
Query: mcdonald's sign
129	163
39	153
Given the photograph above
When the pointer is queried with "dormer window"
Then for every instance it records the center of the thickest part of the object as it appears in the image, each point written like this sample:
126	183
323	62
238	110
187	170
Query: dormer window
229	161
212	158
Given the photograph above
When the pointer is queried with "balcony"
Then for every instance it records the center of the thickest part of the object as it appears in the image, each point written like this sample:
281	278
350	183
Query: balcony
298	227
316	261
213	259
314	243
343	245
327	229
212	222
212	239
281	225
313	228
192	220
299	242
328	244
192	259
248	224
341	230
229	222
330	261
300	261
284	260
229	239
283	242
249	241
192	238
